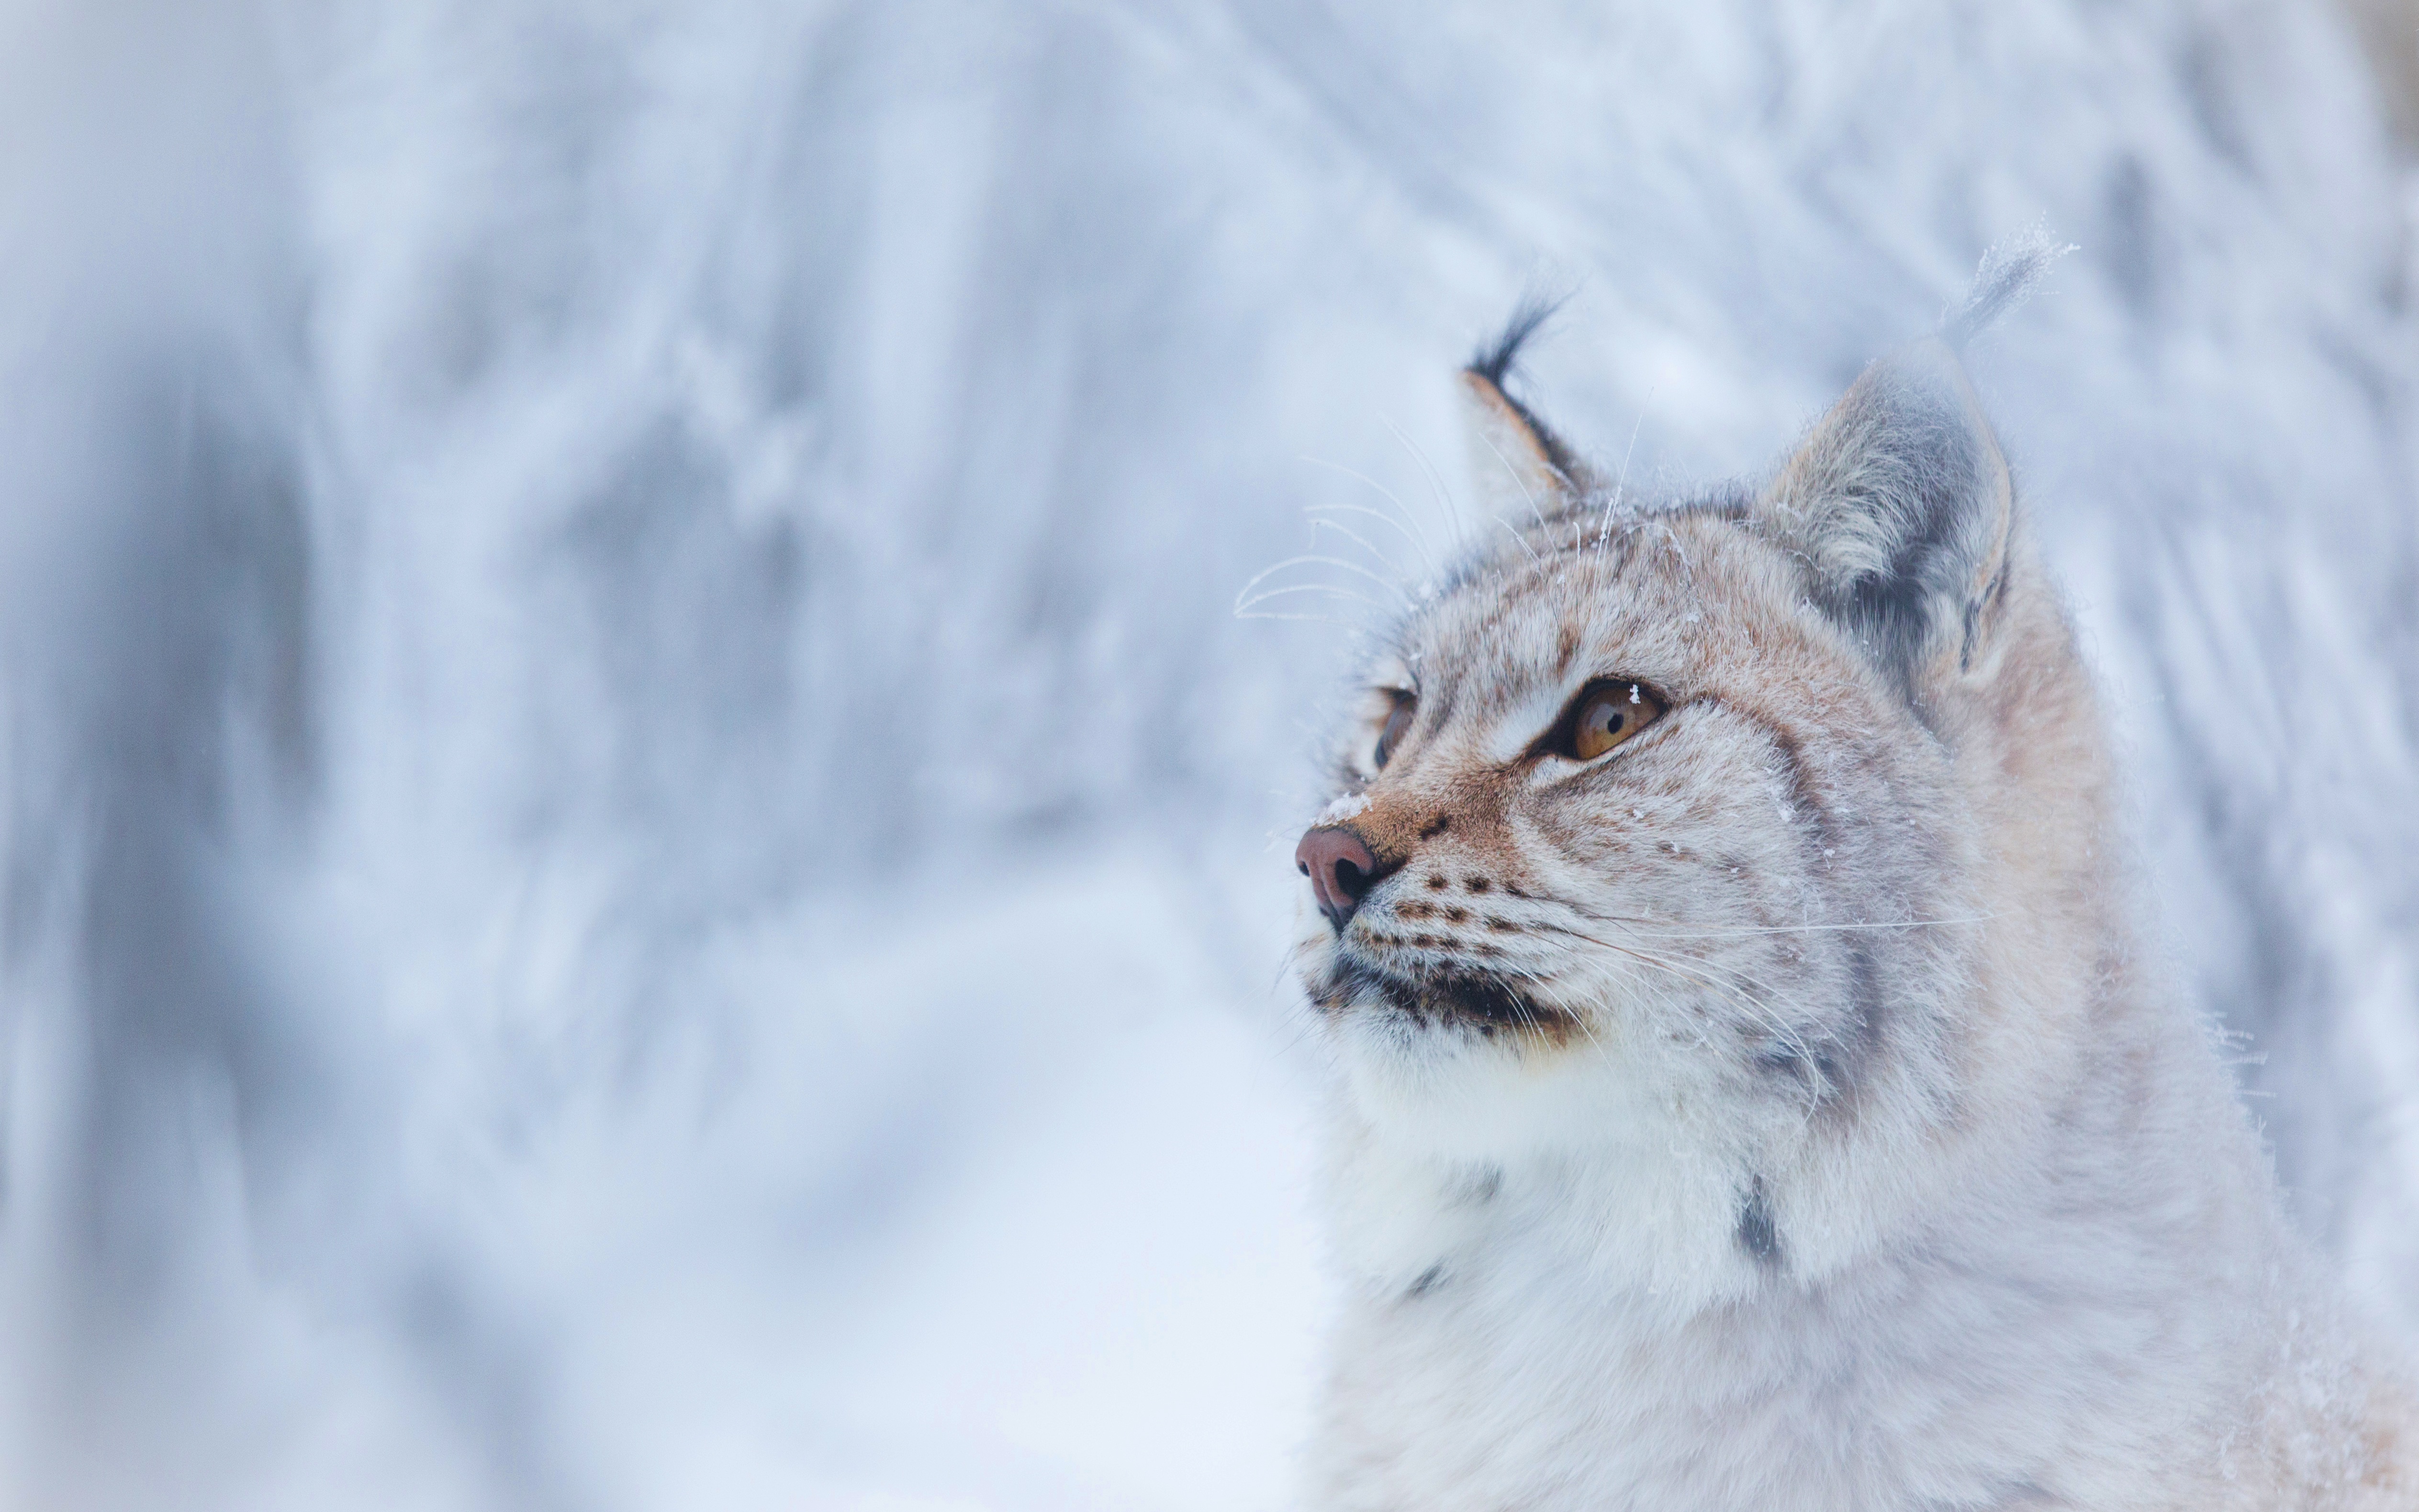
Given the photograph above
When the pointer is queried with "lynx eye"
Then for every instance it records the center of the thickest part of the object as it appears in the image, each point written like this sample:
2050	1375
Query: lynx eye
1605	713
1398	724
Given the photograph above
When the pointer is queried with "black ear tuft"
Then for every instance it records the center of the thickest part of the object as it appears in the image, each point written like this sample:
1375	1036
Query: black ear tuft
1899	504
1494	362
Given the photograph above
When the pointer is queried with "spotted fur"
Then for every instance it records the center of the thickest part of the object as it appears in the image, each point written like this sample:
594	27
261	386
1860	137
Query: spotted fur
1777	1111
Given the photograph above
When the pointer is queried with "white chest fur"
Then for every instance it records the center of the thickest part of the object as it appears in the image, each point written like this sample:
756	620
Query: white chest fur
2109	1316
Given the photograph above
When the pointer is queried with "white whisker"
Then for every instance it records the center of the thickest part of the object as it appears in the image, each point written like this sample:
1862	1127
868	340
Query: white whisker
1354	567
1435	480
1318	524
1332	589
1412	531
1315	619
1521	482
1660	933
1516	537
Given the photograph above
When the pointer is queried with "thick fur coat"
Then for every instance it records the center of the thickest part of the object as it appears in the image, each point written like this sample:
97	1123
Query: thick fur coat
1775	1109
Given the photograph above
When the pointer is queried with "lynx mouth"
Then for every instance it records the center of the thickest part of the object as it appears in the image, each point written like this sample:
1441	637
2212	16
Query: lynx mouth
1473	999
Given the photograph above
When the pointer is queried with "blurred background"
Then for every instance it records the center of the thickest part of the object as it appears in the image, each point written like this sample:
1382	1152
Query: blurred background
645	860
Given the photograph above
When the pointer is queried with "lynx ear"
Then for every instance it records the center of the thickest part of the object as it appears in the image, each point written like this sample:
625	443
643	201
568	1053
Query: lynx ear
1900	503
1518	467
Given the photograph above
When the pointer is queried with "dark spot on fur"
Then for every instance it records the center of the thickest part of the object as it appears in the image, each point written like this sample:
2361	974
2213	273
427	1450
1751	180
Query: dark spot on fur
1831	1064
1975	609
1413	910
1456	915
1436	884
1436	826
1804	796
1481	1189
1426	1282
1847	1059
1779	1058
1478	884
1502	926
1756	1234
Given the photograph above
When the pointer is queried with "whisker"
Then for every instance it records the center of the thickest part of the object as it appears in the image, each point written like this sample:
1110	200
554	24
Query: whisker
1519	481
1358	539
1699	962
1662	932
1314	560
1516	537
1313	619
1414	531
1704	974
1579	1019
1436	479
1330	589
1620	494
1621	484
1420	539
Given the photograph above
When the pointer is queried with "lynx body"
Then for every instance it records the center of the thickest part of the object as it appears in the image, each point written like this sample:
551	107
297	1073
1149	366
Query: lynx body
1751	1091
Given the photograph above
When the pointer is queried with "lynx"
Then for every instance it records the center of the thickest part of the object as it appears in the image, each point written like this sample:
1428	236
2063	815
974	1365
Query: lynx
1752	1091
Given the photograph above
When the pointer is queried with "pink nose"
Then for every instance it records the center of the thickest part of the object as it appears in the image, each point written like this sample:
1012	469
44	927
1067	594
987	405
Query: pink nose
1341	870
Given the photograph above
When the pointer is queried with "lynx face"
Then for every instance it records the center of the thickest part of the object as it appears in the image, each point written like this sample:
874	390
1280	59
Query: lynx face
1659	824
1665	899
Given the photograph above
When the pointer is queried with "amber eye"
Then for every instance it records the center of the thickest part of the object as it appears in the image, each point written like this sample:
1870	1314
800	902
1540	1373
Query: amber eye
1605	714
1398	723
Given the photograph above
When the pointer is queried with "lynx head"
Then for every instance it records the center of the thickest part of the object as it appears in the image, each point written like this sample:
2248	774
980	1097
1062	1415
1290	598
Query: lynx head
1727	832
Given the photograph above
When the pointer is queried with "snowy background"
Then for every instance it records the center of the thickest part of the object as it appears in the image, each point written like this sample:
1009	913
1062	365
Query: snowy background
645	865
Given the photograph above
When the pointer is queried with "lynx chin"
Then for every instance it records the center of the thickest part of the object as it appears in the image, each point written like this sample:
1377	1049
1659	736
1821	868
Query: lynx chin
1751	1092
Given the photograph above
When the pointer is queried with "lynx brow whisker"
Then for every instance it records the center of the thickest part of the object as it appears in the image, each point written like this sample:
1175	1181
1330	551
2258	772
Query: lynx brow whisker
1435	480
1410	525
1516	537
1444	496
1332	589
1428	558
1310	619
1318	524
1521	482
1621	484
1313	559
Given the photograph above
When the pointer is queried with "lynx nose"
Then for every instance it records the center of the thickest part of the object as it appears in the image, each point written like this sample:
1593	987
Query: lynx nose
1341	868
